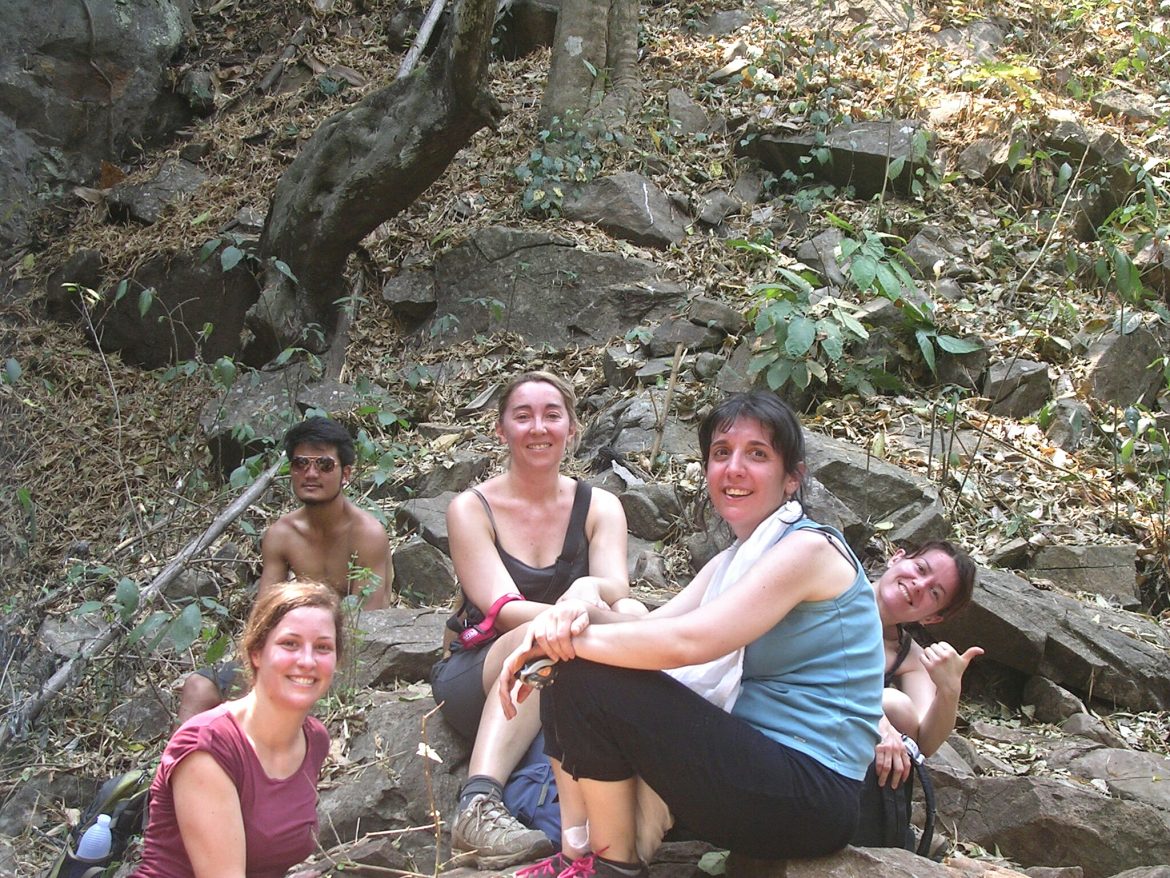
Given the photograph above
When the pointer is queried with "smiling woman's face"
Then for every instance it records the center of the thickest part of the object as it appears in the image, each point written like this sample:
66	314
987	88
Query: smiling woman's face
917	589
747	477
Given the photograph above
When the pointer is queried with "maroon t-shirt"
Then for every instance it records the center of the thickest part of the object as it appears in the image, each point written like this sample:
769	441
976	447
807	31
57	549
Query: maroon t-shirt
280	816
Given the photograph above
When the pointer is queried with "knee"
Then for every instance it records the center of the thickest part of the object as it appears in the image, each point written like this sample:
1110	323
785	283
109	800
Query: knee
198	694
900	711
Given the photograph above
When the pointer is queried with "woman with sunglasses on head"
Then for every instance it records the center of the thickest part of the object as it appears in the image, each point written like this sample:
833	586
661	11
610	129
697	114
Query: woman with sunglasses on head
235	795
781	630
526	543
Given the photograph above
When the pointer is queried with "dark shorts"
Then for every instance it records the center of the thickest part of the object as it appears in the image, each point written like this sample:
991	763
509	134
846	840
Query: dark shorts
457	684
228	678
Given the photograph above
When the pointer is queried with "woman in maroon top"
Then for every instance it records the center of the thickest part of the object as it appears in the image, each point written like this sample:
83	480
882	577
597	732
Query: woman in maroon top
235	795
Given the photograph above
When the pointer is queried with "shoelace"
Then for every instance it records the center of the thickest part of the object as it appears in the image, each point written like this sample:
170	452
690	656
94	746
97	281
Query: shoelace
552	867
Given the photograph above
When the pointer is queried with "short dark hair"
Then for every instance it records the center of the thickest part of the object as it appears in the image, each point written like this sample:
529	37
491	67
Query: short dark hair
964	564
281	598
776	416
321	431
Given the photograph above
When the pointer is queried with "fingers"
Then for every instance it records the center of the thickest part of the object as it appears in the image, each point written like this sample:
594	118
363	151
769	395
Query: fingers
971	654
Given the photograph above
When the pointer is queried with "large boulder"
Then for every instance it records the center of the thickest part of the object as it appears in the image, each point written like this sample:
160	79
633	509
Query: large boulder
1117	657
81	83
541	287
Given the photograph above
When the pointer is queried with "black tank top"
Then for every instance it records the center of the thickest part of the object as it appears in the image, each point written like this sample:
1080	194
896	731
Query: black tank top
542	584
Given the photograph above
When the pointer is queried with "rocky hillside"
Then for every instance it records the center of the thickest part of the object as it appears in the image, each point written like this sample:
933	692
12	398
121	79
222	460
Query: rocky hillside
940	230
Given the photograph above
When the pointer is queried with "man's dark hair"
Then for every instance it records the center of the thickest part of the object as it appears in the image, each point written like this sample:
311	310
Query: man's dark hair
321	431
964	566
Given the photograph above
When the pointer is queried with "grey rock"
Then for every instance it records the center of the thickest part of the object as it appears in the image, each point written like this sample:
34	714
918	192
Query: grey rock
720	24
256	410
650	569
423	576
1129	774
145	202
1017	387
674	331
552	292
860	154
651	510
1118	657
411	294
707	365
656	371
41	793
1050	703
717	205
686	116
630	426
1041	822
716	314
733	374
1118	362
457	473
147	715
1071	422
627	205
398	644
60	119
338	398
977	41
821	253
931	254
389	786
1085	725
986	159
428	516
1119	102
963	370
620	366
877	491
1109	571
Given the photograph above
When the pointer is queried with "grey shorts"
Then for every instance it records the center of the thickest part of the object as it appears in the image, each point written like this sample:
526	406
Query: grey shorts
457	684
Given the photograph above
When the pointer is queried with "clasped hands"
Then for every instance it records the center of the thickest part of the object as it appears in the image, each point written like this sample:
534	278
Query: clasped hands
549	634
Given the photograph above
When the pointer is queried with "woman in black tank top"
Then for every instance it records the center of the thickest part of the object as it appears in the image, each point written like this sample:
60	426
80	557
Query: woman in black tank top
521	541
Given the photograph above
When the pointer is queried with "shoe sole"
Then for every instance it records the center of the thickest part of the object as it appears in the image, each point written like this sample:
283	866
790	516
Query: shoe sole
502	861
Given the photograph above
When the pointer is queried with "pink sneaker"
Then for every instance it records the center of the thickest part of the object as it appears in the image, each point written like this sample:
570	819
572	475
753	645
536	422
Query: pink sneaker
550	867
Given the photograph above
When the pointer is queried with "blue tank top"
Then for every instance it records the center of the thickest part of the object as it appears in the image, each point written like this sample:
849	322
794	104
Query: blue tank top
814	681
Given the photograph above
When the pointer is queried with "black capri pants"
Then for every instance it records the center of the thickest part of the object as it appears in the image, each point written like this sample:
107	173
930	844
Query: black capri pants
725	782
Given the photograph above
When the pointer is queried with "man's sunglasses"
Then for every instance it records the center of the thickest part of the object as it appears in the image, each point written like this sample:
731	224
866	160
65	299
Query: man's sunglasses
301	464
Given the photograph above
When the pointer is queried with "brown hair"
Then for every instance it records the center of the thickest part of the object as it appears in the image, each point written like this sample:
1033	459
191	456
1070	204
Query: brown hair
277	601
562	387
964	565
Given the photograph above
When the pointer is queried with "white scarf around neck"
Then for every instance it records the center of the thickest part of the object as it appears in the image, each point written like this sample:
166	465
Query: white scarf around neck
718	680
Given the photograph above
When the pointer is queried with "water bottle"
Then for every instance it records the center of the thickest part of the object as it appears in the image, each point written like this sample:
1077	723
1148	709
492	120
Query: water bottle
93	849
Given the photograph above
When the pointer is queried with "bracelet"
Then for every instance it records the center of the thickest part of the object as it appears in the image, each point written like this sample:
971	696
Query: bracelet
476	635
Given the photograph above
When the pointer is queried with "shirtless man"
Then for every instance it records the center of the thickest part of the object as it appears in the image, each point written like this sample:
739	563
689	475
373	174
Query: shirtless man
328	539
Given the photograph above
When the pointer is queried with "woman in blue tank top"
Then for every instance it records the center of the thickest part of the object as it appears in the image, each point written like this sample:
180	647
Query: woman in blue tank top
761	742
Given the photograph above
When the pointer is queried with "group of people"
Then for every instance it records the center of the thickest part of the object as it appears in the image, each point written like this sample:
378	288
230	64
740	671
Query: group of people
746	710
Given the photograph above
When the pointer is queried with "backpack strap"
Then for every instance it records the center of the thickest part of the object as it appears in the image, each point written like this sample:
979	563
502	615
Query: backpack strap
574	536
904	643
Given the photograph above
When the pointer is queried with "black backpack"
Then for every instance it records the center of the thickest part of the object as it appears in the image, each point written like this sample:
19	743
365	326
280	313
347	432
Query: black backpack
124	798
885	813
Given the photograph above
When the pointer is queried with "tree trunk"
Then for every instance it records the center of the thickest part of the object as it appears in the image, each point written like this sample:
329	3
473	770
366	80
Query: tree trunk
363	166
593	77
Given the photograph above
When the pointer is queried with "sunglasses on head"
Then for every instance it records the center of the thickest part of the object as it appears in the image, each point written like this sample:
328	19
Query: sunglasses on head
301	463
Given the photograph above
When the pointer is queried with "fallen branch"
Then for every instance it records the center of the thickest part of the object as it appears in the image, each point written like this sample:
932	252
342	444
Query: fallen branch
23	717
410	59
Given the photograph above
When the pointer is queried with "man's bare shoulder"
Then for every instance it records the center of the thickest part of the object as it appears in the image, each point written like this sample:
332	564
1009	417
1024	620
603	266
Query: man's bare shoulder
288	526
365	522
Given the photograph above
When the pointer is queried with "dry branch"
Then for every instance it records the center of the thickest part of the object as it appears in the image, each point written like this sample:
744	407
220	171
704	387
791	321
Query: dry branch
22	718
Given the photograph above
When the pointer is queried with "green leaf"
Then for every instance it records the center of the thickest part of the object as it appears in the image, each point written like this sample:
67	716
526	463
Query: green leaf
283	268
225	371
925	345
12	371
592	70
863	269
230	258
147	626
126	595
887	282
185	629
121	289
207	249
953	345
895	168
800	376
88	607
802	332
145	300
241	477
780	374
